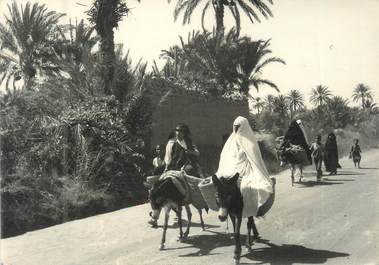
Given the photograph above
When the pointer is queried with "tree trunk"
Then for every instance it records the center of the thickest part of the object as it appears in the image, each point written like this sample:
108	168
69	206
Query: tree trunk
219	10
104	28
29	73
108	59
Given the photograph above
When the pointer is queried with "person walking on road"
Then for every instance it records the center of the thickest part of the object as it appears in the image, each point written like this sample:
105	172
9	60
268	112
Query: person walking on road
317	155
355	153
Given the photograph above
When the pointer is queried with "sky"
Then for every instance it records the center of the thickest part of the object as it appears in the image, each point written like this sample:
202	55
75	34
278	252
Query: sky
328	42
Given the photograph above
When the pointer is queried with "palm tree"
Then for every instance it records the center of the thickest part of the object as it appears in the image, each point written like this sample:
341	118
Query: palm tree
77	62
176	56
281	106
249	7
362	92
295	101
129	77
105	15
258	104
269	102
251	63
338	112
371	107
211	56
320	95
26	42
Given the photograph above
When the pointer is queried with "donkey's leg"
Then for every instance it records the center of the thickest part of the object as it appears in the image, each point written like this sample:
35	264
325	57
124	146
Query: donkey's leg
166	217
180	222
189	216
233	219
237	249
201	219
301	172
292	173
255	230
250	220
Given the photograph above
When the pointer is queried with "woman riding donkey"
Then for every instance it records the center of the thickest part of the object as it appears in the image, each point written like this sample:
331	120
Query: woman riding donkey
244	187
295	148
181	154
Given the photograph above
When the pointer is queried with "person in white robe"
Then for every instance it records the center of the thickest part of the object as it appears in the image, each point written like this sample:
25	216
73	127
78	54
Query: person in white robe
241	154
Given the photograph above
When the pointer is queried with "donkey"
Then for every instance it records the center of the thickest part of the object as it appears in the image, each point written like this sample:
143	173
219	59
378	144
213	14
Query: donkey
286	158
230	201
289	158
166	195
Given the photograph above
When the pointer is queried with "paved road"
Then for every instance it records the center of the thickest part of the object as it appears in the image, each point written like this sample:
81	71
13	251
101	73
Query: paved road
335	221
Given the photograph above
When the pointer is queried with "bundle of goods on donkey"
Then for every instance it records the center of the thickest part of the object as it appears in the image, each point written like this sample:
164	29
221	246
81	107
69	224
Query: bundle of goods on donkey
182	181
296	155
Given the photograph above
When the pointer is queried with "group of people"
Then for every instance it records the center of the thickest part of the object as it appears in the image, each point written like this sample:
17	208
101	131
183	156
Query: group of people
327	153
317	152
240	154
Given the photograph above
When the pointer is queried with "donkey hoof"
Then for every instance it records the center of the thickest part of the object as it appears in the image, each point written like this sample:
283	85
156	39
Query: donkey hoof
236	261
161	247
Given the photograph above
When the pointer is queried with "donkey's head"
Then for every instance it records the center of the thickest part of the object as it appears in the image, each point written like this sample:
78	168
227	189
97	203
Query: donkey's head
228	195
164	192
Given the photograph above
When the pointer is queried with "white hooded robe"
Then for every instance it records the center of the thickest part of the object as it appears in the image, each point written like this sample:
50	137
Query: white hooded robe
241	154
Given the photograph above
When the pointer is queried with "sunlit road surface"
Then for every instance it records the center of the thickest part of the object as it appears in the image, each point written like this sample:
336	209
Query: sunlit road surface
335	221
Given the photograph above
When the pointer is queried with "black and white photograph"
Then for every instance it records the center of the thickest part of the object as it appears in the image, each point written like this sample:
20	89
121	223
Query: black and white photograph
189	132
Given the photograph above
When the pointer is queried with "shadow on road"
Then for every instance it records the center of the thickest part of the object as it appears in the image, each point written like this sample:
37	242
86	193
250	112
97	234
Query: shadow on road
193	224
289	254
205	243
333	179
369	168
349	173
270	254
311	183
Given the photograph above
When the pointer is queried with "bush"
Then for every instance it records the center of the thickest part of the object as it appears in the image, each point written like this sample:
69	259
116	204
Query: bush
66	161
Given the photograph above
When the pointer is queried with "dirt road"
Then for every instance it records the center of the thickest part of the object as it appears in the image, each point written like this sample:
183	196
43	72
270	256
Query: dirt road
335	221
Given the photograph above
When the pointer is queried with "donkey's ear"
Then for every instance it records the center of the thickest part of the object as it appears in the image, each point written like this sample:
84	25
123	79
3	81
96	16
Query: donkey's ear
216	181
235	177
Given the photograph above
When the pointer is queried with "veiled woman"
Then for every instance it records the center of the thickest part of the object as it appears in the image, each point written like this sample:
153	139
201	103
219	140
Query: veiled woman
296	135
331	154
241	154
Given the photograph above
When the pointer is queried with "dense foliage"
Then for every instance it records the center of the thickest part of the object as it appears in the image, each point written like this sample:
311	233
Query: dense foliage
68	150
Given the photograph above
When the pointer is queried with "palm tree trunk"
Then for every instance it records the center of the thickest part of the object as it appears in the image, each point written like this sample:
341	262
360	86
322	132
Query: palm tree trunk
219	10
104	28
363	102
29	73
108	54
